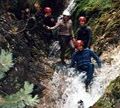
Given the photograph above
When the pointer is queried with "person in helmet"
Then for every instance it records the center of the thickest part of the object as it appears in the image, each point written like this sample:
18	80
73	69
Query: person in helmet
48	20
65	33
82	57
84	33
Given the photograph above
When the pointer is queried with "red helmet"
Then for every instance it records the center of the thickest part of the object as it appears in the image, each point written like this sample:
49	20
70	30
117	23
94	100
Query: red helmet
47	10
82	18
79	43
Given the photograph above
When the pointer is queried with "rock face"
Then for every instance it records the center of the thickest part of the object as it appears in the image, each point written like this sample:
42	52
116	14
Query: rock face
25	39
24	36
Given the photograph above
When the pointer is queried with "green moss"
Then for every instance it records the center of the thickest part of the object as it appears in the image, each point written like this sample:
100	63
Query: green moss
112	94
90	5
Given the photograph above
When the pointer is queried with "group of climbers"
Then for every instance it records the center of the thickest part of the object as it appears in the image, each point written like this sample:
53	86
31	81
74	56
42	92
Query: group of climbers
81	53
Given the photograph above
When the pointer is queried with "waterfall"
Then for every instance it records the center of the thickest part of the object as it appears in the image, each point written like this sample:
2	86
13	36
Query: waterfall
68	90
71	5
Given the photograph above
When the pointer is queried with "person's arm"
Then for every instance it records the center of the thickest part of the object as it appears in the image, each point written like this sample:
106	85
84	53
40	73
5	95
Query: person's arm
96	58
54	27
90	37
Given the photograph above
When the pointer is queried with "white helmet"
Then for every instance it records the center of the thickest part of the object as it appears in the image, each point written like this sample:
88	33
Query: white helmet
66	13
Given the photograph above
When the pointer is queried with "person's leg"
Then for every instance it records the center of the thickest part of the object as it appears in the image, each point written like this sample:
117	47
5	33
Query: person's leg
62	47
90	71
49	37
71	47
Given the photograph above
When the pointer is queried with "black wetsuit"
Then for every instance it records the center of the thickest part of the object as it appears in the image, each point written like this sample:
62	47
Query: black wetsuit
85	34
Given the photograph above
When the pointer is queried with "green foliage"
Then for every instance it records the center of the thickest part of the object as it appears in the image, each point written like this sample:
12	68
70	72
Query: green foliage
111	95
20	99
104	102
88	5
116	88
100	3
5	62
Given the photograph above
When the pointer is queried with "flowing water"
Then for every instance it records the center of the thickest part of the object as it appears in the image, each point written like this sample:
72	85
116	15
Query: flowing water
70	7
54	49
68	90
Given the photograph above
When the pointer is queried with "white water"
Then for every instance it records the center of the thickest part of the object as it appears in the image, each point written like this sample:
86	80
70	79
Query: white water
71	5
67	88
69	8
54	48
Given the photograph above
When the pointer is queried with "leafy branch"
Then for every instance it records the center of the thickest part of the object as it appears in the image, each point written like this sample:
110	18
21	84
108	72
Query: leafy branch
23	97
5	62
20	99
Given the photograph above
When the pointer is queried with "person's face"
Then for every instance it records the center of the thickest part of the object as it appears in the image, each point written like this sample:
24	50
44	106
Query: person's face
48	13
79	48
65	18
37	6
82	23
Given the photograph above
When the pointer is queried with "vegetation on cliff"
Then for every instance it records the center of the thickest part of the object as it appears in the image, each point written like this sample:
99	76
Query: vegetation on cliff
111	98
104	19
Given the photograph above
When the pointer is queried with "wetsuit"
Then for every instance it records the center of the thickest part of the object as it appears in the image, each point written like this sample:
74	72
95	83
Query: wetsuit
83	61
85	34
48	36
